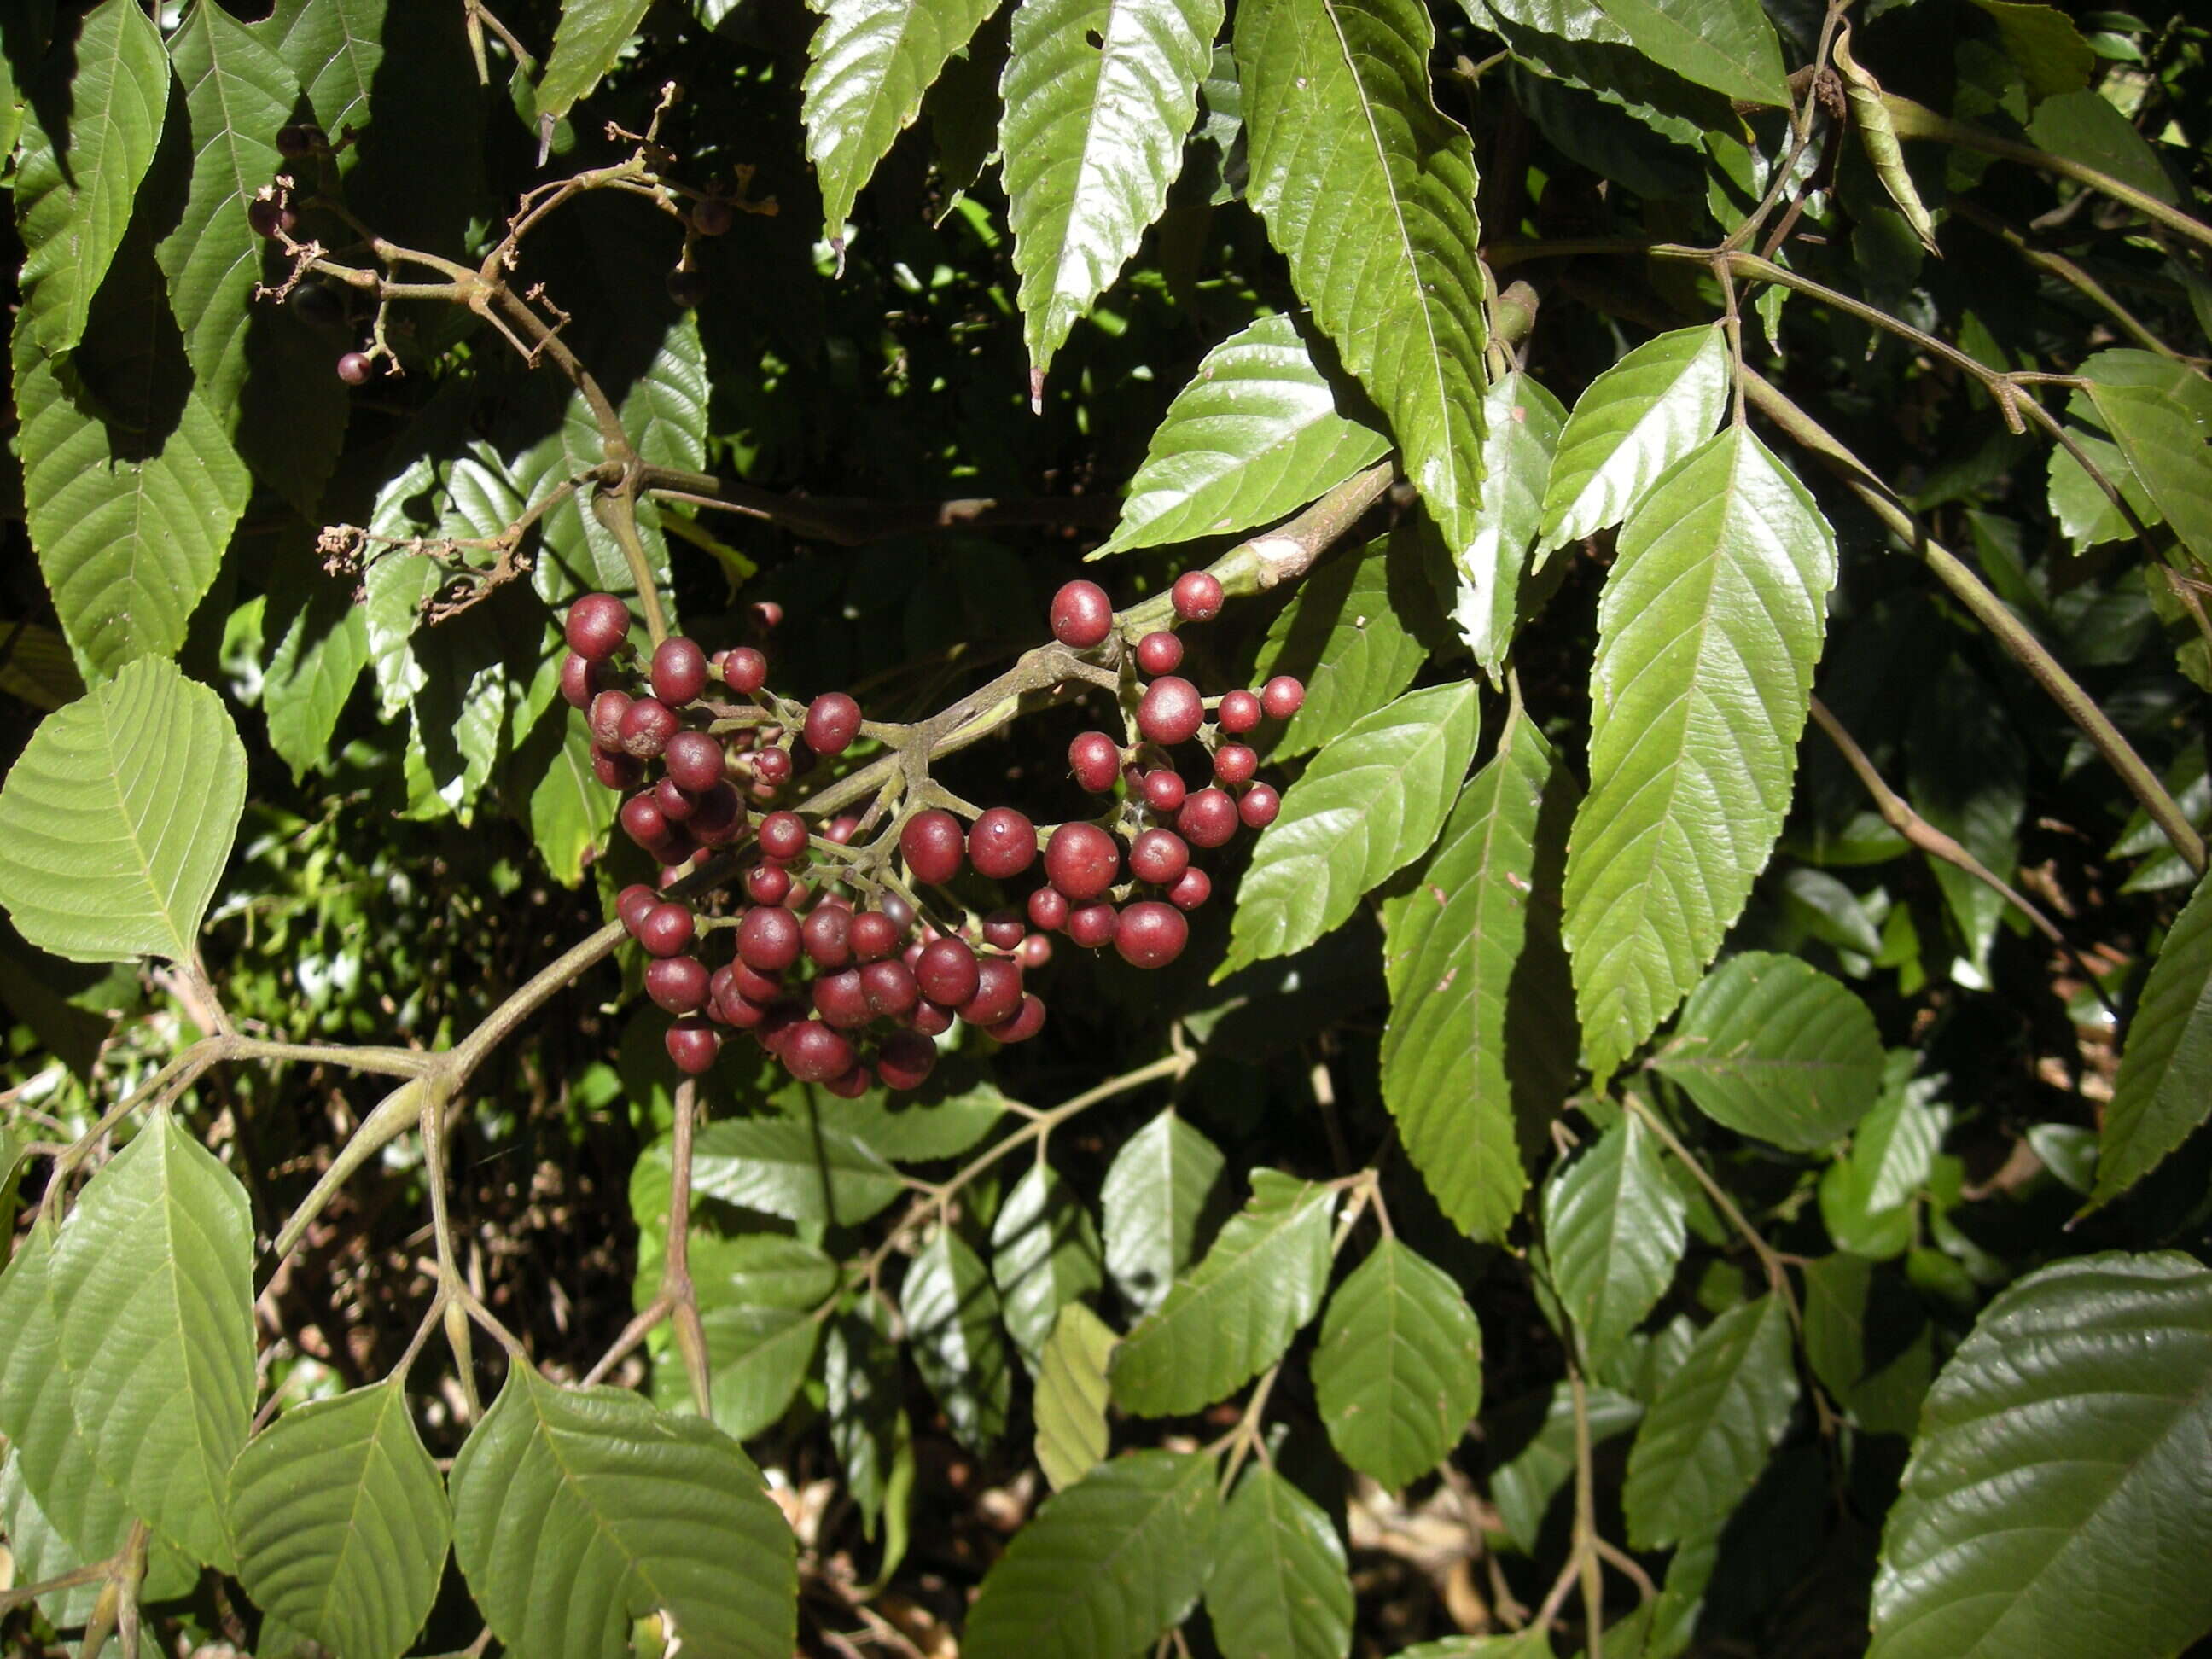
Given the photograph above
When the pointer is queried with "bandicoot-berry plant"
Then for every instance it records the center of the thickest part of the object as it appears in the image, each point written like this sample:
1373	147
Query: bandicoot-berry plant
1264	827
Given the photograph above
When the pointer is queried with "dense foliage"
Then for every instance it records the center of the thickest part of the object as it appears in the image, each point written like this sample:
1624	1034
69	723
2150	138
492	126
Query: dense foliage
1287	828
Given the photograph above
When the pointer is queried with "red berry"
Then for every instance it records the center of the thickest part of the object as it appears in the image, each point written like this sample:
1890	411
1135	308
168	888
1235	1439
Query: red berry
1172	711
1259	806
904	1059
767	939
679	984
772	766
605	718
1160	652
677	804
1238	712
1208	818
645	823
783	836
930	1018
1233	762
814	1052
1192	888
694	759
615	769
873	935
598	626
852	1084
1081	859
581	679
1158	856
839	998
947	972
1034	952
891	989
933	846
753	985
679	670
1024	1023
632	902
693	1044
833	720
1152	935
840	829
1163	791
1282	696
828	936
768	883
1048	909
998	994
767	616
1197	596
667	929
646	726
265	216
1096	760
720	818
1002	843
744	671
1092	925
1003	929
1082	615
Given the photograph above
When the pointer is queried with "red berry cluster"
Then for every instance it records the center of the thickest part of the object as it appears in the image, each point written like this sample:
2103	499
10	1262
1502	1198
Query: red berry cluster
838	990
1083	861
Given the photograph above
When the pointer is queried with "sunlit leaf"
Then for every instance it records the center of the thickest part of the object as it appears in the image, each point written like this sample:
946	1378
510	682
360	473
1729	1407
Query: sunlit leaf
1045	1254
1161	1184
1639	417
1072	1391
1281	1588
1726	45
951	1314
1613	1226
588	43
1523	423
1398	1373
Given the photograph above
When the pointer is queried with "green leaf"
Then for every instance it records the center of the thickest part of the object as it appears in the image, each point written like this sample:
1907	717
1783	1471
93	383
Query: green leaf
588	43
1370	803
310	676
1281	1587
75	188
804	1172
1044	1255
341	1521
1726	45
152	1288
2044	43
1707	1435
1480	1045
867	1428
335	48
1072	1391
2165	1088
1257	433
1614	1225
1881	1389
1967	774
870	62
35	666
1099	95
951	1314
758	1356
1105	1566
1161	1183
59	1510
2083	510
1710	624
2062	1451
1398	1372
630	1510
116	819
1524	1486
1233	1316
1351	632
1776	1049
570	811
2085	127
2165	441
910	1132
1641	416
1522	424
1368	191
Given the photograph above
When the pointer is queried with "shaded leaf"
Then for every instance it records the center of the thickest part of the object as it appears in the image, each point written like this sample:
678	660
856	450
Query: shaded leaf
1352	635
1398	1372
341	1521
2165	444
1099	94
1525	1484
1522	424
1105	1566
1711	621
1233	1316
1480	1042
1072	1391
633	1511
1161	1183
1368	191
758	1356
951	1313
151	1284
1370	803
1281	1588
1654	406
2062	1450
1708	1434
1967	771
1613	1226
1044	1255
1881	1388
1257	433
2165	1088
2044	42
1726	45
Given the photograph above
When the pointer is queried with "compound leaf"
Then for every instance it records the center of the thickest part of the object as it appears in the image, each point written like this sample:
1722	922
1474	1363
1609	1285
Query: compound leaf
2062	1450
1233	1314
1370	803
1257	433
1633	423
1105	1566
1399	1370
1521	424
1281	1587
1044	1255
630	1510
951	1313
1614	1225
341	1521
1369	191
118	817
1708	1434
1775	1049
1072	1391
1708	631
802	1171
1160	1184
1099	94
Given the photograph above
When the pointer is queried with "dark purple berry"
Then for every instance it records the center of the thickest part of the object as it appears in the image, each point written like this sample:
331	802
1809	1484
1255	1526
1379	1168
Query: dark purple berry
1002	843
1081	860
833	720
1171	710
1197	596
933	846
1152	935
